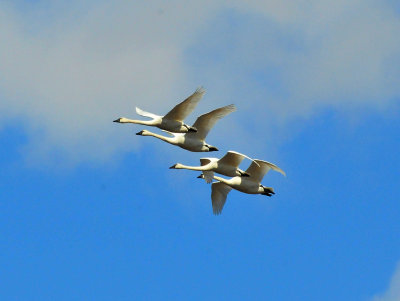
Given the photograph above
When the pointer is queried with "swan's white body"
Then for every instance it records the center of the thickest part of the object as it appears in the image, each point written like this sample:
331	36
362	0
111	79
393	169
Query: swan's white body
227	166
173	120
195	141
251	185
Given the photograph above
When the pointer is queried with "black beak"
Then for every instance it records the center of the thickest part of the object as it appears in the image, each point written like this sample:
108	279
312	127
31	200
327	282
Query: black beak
200	176
139	133
212	149
192	129
245	174
173	166
117	120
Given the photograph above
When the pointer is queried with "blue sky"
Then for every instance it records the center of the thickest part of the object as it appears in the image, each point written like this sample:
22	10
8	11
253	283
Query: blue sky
89	211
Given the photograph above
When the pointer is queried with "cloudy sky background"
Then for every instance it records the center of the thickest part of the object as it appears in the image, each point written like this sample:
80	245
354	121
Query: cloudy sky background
317	88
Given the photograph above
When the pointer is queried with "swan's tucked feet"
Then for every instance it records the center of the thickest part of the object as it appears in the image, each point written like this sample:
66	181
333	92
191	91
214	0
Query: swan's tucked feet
268	191
212	149
140	133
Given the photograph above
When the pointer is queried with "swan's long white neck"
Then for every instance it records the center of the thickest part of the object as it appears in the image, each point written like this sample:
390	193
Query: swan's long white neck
143	122
163	138
199	168
222	180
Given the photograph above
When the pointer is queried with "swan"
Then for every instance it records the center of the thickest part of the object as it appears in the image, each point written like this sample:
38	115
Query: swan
227	166
173	121
251	185
194	141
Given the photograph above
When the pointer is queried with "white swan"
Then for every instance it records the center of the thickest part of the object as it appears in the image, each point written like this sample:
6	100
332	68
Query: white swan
173	121
252	184
194	141
227	166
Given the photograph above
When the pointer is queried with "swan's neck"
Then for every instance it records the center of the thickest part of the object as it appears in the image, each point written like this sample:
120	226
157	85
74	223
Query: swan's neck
163	138
199	168
222	180
143	122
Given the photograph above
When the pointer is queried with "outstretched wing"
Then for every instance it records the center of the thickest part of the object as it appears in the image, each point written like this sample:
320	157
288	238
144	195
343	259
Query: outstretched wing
219	192
259	168
233	159
205	122
204	161
146	114
182	110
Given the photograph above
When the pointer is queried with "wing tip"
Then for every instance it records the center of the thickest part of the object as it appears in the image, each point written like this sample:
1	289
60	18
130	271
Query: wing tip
272	165
200	90
231	107
217	210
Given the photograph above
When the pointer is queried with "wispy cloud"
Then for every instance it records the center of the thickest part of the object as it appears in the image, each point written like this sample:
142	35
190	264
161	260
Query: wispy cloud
71	81
66	79
393	292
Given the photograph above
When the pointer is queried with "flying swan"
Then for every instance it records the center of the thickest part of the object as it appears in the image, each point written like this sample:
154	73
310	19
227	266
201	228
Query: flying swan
227	166
194	141
252	184
173	121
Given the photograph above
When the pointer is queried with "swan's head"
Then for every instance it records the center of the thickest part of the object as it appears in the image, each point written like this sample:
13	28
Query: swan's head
268	191
176	166
121	120
143	133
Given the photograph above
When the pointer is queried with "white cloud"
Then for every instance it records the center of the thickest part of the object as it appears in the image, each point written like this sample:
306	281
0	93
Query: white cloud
67	77
71	82
318	54
393	292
